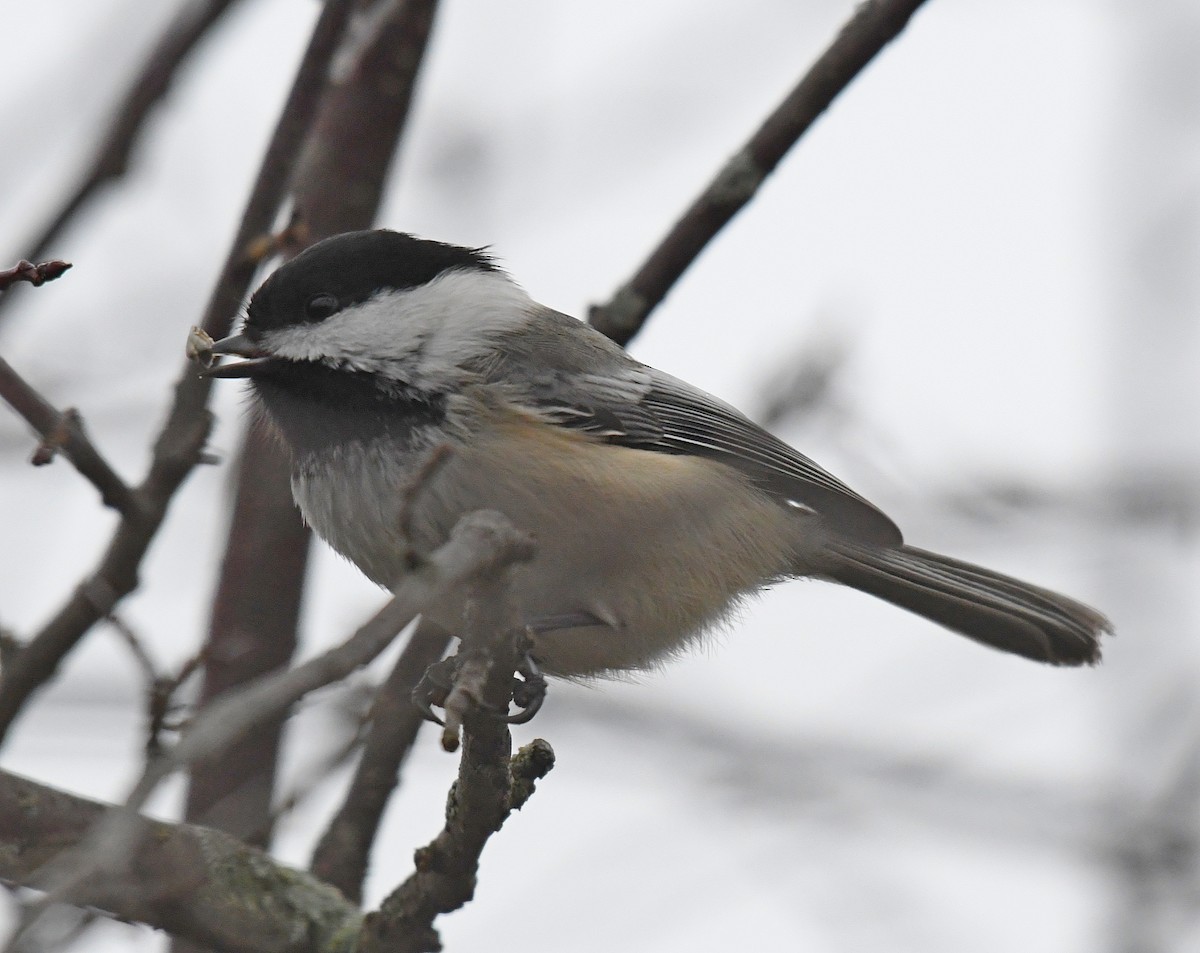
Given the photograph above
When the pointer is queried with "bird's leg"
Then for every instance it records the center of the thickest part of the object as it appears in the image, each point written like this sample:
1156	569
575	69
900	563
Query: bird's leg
529	692
435	686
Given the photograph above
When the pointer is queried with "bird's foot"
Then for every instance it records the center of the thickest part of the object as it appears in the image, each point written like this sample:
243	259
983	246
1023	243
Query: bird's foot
441	678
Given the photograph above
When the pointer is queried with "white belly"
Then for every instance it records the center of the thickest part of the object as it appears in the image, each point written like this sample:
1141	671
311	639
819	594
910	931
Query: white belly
662	545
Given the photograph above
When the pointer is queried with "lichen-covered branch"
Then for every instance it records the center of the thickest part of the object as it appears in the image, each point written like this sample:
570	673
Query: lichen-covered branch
190	881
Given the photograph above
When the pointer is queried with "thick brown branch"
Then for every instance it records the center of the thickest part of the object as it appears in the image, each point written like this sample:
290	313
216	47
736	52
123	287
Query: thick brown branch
346	160
180	443
874	24
252	631
190	881
63	430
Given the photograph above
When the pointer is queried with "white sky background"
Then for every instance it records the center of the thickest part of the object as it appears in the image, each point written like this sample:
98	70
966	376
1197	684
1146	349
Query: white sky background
832	774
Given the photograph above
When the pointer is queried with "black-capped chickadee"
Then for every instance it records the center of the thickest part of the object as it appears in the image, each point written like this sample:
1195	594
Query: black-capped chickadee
656	507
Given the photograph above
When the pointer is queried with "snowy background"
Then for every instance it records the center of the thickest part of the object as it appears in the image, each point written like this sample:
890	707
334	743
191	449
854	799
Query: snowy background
997	225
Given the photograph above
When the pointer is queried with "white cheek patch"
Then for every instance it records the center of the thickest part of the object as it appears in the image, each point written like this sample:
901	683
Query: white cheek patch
412	334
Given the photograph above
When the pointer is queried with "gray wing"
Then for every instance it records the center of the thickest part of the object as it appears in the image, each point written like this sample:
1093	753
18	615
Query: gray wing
698	423
637	406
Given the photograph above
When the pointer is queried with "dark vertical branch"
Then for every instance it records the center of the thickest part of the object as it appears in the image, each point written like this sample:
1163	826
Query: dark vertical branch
346	162
252	631
875	23
337	186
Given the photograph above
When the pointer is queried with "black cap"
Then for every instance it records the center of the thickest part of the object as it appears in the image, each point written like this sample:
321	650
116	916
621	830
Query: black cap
350	268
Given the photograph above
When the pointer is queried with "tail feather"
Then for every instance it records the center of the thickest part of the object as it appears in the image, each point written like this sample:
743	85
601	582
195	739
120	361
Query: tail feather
996	610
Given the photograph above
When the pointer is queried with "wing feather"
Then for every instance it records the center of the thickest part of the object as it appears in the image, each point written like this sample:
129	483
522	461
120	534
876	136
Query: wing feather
640	407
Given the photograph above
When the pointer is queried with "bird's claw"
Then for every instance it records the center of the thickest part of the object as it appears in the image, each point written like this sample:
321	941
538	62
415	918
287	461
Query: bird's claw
528	693
435	686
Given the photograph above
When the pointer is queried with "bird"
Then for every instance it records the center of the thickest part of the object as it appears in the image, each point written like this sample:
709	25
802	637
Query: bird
380	358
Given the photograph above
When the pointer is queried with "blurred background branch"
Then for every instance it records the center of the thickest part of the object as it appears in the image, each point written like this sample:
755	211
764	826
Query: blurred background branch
191	25
875	23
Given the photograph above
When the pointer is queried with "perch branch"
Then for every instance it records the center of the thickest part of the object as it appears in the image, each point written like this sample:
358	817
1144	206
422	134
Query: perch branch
489	786
482	545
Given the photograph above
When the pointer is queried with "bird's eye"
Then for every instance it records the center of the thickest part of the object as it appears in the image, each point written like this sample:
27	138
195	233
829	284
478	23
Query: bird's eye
321	306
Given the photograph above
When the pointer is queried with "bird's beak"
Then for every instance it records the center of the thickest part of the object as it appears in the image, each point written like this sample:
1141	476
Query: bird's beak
237	344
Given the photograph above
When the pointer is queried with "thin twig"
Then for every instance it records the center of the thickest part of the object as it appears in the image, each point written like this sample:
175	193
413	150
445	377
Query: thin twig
161	704
874	24
63	431
343	852
301	790
30	273
136	649
111	157
180	443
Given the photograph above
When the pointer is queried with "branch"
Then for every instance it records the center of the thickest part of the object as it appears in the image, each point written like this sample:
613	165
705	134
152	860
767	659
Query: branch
35	275
180	443
337	184
346	161
482	545
489	786
111	158
190	881
252	631
874	24
63	430
343	852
